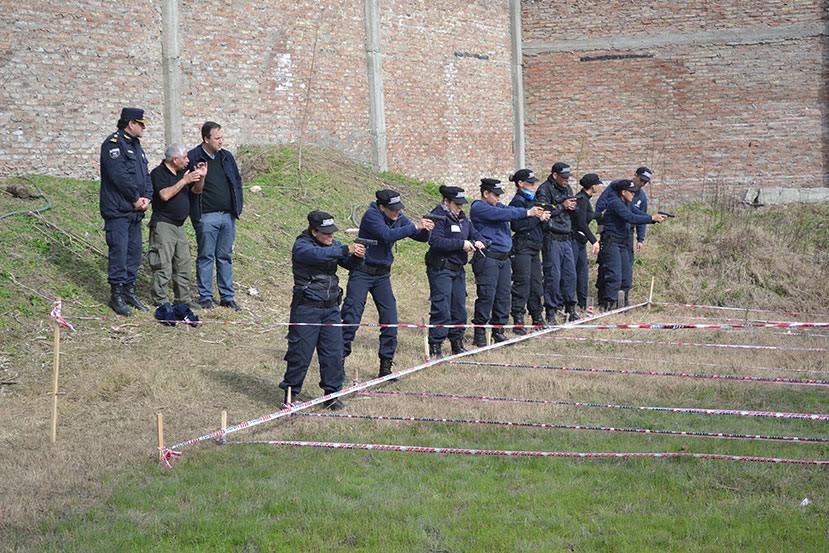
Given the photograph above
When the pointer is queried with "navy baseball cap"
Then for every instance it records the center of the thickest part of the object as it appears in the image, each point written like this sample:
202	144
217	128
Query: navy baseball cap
623	184
454	194
390	199
134	114
644	173
590	179
524	175
322	221
492	185
561	168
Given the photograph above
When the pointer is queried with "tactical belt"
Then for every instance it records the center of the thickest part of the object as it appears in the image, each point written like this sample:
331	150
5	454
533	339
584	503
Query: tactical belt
443	263
374	270
320	304
497	255
560	237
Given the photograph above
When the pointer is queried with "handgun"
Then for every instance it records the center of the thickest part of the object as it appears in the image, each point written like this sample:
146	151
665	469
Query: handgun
365	241
435	217
545	206
666	214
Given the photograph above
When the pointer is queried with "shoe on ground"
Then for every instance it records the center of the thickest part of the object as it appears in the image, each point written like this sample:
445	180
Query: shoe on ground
479	338
457	346
498	336
334	404
206	304
230	304
385	368
297	397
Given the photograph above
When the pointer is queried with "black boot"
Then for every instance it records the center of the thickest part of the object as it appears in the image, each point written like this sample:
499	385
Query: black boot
551	317
457	346
479	338
627	304
385	368
571	313
117	302
131	298
498	335
538	321
435	350
519	320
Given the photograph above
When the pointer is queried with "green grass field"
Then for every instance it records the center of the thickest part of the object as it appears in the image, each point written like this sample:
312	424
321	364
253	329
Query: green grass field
100	488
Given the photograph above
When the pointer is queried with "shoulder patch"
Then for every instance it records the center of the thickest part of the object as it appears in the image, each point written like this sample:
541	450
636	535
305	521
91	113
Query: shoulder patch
113	139
114	153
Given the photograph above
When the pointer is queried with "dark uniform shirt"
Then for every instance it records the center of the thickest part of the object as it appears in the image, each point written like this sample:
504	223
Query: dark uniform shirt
447	238
619	216
376	226
529	232
492	222
124	176
550	193
581	218
176	209
314	267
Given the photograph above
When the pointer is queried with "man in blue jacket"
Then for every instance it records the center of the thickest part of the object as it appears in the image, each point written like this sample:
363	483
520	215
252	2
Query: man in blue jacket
316	299
214	213
384	222
492	267
125	195
615	256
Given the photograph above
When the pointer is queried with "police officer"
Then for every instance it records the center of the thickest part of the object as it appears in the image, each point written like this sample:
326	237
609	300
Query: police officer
581	217
385	223
125	195
616	252
557	255
527	241
492	267
316	299
449	245
641	177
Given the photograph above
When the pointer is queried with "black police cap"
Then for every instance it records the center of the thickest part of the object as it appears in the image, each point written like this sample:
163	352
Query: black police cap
133	114
454	194
322	221
590	179
492	185
644	173
561	168
623	184
389	198
524	175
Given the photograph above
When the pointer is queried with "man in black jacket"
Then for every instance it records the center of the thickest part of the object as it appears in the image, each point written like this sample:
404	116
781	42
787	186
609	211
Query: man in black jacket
581	217
557	254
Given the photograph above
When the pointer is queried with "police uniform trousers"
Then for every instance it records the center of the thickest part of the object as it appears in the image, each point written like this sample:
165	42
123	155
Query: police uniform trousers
493	278
580	259
559	273
447	296
617	269
303	340
359	285
169	258
123	237
527	286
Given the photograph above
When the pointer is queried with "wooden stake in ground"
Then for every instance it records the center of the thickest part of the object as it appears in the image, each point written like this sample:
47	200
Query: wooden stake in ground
55	371
221	439
650	296
425	340
289	397
159	422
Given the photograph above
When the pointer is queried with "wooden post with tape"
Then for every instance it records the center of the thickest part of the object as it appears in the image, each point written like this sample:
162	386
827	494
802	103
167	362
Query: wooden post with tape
55	372
159	423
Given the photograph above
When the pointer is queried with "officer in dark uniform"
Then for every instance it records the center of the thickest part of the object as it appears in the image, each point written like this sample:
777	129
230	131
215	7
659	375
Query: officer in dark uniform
557	255
492	268
616	253
581	217
449	245
384	222
527	241
125	195
316	299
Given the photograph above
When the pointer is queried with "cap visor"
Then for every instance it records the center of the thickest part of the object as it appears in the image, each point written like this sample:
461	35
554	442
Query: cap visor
459	201
328	229
396	207
532	180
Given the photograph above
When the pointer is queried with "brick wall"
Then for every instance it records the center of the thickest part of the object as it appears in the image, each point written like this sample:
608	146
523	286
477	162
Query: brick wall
69	68
710	115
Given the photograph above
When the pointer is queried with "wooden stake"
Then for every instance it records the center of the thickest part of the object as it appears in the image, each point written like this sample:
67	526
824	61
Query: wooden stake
224	426
289	396
159	421
650	296
55	372
425	340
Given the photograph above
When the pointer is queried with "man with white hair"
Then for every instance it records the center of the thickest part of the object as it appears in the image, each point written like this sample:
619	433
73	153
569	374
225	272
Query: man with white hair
169	254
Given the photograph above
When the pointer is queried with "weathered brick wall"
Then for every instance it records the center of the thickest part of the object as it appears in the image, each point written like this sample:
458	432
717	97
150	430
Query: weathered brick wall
69	68
707	115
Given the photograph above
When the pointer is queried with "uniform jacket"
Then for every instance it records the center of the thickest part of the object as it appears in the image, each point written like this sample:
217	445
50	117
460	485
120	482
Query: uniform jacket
550	193
447	238
233	176
492	222
124	176
581	218
640	202
529	232
315	267
376	226
619	216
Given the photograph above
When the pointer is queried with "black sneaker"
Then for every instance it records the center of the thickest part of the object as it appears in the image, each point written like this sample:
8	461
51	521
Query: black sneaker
230	304
334	404
206	304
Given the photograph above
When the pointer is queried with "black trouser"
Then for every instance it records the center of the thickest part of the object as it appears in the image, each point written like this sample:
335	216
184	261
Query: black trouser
527	285
580	257
304	340
492	283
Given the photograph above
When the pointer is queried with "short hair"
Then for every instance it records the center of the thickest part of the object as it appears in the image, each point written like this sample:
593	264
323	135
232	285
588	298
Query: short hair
207	128
122	124
174	150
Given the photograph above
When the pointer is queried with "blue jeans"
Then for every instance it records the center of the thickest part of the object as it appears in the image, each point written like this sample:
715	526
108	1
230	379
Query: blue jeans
215	234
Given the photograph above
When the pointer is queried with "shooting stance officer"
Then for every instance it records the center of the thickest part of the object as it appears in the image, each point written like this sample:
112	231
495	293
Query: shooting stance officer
384	224
557	255
492	267
316	299
581	217
451	240
615	256
125	195
527	241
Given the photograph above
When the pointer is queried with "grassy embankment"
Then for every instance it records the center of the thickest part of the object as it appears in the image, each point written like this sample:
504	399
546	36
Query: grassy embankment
98	489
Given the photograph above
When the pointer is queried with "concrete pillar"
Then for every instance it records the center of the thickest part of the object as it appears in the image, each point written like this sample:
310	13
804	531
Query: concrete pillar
374	64
171	66
518	143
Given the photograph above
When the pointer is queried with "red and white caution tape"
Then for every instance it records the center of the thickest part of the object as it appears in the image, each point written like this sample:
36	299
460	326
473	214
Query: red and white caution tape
729	377
553	426
57	315
693	344
743	309
682	410
166	456
506	453
296	407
